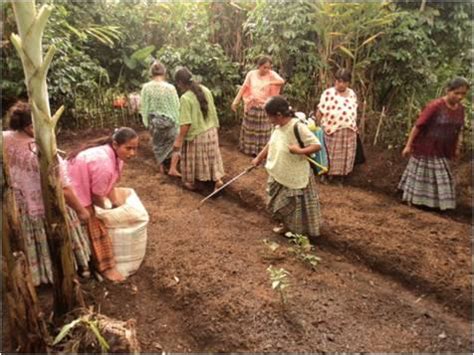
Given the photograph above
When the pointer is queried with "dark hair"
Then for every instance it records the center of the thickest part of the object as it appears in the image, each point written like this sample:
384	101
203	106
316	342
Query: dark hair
264	59
343	75
185	77
278	105
157	68
19	116
456	83
120	136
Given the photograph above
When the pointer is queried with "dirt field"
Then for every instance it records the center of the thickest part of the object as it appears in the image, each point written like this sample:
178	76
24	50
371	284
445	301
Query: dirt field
392	278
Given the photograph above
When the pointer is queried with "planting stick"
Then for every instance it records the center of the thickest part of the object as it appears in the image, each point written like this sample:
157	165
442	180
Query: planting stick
379	125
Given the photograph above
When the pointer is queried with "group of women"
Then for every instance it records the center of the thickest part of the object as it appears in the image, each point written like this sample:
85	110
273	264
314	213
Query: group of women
88	176
185	138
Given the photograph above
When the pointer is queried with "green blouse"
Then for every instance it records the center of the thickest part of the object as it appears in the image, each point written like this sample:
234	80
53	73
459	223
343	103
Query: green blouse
161	98
190	113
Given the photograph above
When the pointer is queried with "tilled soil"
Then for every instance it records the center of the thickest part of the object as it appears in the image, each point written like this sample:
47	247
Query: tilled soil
392	278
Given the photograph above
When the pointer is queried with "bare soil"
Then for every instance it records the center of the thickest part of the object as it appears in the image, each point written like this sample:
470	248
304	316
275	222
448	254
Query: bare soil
392	278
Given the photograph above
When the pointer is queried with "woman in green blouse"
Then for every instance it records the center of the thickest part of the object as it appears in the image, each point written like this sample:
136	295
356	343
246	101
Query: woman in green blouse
197	141
160	110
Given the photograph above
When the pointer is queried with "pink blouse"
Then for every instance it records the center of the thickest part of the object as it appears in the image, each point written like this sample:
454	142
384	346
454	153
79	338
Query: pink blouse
256	88
94	171
25	177
338	111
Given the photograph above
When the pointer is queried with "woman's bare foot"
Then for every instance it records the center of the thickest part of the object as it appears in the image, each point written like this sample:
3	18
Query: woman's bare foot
161	169
174	172
190	186
113	275
218	184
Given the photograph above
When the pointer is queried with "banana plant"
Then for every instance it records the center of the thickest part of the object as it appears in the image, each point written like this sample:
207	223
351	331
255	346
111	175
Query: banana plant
28	43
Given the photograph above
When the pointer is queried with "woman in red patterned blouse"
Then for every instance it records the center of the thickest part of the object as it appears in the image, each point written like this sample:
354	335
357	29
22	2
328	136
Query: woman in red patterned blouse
434	140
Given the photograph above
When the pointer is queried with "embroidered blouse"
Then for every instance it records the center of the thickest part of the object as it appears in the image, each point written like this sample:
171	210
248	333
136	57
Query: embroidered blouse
257	90
24	169
338	111
439	130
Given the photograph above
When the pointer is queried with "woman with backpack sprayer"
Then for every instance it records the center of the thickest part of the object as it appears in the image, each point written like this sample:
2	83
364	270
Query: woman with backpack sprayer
293	198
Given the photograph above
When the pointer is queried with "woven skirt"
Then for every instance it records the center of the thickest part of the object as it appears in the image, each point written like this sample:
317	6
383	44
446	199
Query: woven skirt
37	249
341	148
101	243
428	181
255	131
298	209
163	132
201	158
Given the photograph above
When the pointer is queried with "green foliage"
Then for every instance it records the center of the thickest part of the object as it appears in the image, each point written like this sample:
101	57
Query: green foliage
399	56
303	249
210	66
279	281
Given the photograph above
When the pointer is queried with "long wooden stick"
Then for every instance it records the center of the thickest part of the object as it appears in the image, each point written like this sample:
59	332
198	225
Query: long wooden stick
379	125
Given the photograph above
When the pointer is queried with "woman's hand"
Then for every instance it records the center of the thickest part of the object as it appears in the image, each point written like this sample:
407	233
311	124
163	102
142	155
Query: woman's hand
84	215
295	149
257	161
234	106
406	151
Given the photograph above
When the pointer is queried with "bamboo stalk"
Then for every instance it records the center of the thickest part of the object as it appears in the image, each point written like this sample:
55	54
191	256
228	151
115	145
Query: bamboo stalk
362	121
382	115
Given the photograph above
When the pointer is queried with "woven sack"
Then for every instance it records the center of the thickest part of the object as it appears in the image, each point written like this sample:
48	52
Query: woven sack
127	227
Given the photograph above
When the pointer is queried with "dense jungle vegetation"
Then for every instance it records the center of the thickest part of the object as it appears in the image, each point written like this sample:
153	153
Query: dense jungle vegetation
401	53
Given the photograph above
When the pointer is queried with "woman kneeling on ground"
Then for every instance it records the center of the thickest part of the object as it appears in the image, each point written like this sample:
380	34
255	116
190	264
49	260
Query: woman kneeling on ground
22	159
293	197
198	140
94	170
435	139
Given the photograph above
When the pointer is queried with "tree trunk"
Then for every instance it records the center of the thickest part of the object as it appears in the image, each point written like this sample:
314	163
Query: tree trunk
28	44
26	326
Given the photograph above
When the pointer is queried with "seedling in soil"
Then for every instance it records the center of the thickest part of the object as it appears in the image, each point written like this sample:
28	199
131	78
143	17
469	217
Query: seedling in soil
303	249
280	282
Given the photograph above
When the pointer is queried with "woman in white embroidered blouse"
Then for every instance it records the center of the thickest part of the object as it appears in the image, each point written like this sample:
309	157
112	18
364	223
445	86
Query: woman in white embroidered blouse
337	112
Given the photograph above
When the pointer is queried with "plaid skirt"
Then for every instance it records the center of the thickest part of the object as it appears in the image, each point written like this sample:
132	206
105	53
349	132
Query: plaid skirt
428	181
101	243
255	131
298	209
163	132
341	148
39	258
201	158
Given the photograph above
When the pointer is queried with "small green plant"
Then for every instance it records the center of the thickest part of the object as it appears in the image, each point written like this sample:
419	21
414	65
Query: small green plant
303	249
273	246
88	323
280	282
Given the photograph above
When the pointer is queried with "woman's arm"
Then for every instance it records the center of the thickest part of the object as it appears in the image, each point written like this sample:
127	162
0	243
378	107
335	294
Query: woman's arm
261	156
235	103
457	152
308	150
408	146
73	202
178	143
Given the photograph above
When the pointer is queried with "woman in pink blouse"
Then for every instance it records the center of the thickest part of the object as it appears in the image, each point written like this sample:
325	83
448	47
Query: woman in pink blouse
337	112
94	170
22	159
259	85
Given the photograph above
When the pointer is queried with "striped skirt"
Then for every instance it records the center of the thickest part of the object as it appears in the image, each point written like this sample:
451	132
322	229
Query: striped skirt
341	148
298	209
101	243
255	131
37	249
428	181
201	158
163	132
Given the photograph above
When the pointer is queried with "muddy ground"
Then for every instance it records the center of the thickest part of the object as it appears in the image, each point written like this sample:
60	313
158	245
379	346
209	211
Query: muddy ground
392	278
